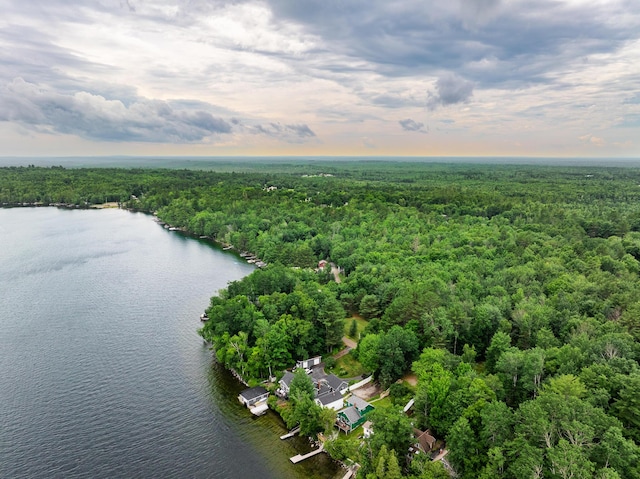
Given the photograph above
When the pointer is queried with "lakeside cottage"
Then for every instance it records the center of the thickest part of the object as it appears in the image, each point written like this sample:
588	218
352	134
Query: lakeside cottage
354	414
331	400
330	383
255	399
329	388
285	385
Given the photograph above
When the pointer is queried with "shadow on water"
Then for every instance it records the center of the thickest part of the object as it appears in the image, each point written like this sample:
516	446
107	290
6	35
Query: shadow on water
263	433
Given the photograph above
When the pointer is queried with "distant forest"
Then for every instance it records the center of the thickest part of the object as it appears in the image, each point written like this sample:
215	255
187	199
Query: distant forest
512	292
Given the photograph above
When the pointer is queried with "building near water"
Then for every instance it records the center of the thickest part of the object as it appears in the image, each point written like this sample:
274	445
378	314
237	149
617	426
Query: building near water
354	414
255	399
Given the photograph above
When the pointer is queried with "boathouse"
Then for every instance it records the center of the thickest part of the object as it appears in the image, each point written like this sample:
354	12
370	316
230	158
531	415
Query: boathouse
255	399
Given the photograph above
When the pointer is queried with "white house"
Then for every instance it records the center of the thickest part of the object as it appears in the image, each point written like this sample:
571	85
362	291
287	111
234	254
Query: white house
332	400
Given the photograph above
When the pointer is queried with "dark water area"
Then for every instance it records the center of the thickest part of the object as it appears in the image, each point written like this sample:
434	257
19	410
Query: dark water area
102	373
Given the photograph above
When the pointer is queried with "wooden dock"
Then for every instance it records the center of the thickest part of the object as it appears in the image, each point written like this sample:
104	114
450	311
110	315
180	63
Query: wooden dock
349	473
291	433
302	457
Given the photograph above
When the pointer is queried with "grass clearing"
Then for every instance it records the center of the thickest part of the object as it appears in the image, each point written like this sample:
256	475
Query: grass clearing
361	323
382	403
348	367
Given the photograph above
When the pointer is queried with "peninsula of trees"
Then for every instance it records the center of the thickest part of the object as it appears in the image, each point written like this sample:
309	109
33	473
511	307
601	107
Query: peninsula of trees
512	292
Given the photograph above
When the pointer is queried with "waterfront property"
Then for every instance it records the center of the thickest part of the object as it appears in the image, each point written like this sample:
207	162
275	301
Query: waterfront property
255	399
329	388
285	385
353	415
328	383
330	400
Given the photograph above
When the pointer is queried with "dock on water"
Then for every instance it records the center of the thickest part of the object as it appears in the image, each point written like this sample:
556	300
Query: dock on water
291	433
302	457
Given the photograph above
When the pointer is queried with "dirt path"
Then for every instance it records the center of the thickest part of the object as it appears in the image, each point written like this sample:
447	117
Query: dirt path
336	273
350	343
411	378
441	455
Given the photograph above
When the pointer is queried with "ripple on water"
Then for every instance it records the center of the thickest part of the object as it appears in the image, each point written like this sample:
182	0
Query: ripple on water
102	374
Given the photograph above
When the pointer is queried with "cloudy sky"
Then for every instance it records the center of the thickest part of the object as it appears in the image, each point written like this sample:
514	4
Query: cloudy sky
320	77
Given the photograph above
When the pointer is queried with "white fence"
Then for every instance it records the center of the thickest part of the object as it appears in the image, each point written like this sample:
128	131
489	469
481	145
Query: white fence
361	383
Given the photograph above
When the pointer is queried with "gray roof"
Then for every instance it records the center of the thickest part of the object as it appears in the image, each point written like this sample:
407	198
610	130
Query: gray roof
286	379
351	414
329	398
252	393
323	390
359	403
335	382
317	374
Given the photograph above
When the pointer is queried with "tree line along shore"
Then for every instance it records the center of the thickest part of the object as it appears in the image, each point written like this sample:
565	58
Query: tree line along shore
511	293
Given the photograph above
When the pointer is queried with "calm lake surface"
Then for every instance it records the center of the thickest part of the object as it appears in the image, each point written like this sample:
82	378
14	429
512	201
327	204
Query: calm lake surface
102	373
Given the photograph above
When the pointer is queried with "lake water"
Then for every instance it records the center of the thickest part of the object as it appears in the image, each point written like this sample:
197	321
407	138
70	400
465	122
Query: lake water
102	373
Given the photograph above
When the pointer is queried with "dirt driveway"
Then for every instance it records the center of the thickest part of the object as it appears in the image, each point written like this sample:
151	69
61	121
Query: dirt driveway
369	391
411	379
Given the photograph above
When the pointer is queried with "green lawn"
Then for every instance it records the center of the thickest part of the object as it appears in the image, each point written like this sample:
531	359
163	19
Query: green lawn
347	367
360	322
381	403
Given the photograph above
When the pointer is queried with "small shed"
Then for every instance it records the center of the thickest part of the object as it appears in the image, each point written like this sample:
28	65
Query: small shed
367	429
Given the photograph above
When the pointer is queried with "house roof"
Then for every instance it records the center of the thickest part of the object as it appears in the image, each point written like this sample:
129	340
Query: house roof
409	405
323	390
426	441
359	403
351	414
252	393
335	382
317	374
286	379
329	398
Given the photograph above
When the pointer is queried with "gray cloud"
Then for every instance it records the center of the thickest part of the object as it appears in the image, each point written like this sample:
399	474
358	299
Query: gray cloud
412	125
520	42
33	55
97	118
476	13
450	89
391	100
293	133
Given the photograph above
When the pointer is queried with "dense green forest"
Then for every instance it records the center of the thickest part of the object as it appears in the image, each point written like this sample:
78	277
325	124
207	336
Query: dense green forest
512	292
